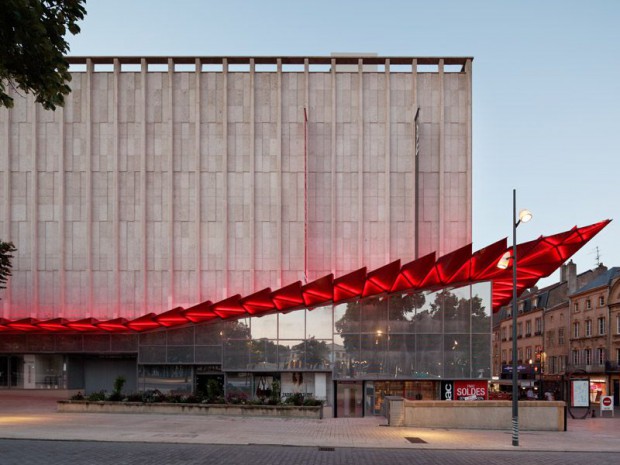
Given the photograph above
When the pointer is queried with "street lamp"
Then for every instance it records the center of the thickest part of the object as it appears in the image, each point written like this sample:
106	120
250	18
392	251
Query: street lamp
524	217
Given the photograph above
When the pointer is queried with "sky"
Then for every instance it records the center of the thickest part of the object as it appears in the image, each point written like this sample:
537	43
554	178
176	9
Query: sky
546	85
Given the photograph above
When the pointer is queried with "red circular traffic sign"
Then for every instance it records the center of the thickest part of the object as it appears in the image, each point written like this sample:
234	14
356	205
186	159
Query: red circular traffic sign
606	401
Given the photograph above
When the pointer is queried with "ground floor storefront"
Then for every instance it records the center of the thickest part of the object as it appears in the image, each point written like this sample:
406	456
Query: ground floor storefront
90	373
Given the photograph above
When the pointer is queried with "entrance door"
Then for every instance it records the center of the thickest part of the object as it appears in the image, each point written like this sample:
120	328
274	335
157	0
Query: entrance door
349	399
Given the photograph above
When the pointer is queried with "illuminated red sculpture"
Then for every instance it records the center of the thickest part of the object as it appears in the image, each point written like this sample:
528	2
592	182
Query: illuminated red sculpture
536	259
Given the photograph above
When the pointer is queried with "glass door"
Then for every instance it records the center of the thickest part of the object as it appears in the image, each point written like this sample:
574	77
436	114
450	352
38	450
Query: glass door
349	399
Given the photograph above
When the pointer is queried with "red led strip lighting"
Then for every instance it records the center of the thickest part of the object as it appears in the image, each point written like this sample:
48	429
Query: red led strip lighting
536	259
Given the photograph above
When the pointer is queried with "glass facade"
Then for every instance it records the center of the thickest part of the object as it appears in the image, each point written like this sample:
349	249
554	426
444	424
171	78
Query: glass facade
445	334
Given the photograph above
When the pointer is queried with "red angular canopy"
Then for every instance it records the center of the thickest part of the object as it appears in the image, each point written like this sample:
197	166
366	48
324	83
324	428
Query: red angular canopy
536	259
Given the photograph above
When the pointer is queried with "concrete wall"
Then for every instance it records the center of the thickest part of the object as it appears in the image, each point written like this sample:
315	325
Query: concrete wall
166	185
533	415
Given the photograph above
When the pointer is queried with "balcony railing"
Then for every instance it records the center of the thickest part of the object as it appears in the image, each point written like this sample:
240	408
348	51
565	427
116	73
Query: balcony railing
593	368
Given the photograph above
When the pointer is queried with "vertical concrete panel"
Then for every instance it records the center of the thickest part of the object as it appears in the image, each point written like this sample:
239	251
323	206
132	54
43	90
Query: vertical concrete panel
152	188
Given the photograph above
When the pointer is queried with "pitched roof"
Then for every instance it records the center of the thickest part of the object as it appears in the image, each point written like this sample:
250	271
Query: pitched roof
600	281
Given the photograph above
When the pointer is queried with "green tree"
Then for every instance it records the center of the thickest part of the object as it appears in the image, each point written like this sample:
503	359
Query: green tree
33	48
317	352
6	254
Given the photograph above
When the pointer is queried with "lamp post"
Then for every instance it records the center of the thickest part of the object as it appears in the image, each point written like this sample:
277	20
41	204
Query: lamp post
524	217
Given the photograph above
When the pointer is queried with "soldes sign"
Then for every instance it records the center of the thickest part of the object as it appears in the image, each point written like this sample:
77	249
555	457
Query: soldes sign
464	390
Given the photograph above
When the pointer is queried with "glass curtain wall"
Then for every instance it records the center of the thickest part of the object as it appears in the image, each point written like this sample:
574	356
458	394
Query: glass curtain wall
444	334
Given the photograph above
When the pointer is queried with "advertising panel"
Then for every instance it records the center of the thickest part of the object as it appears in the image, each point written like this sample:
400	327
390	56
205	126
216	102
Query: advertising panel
579	393
465	390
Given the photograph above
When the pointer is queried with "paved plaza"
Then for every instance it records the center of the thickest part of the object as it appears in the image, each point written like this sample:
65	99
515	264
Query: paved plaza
31	416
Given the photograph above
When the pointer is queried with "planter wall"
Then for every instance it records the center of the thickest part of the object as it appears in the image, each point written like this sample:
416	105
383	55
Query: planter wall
287	411
495	415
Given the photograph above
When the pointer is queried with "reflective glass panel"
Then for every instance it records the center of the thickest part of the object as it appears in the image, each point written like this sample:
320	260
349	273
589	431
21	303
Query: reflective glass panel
481	308
429	316
456	310
263	354
481	356
347	317
401	355
429	356
265	327
374	315
292	325
291	354
319	322
457	356
374	355
402	311
236	354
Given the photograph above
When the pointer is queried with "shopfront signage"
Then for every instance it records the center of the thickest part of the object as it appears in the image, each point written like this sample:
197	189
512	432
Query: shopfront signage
465	390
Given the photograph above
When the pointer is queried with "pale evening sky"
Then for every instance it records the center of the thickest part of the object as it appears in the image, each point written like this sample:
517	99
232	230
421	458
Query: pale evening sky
546	85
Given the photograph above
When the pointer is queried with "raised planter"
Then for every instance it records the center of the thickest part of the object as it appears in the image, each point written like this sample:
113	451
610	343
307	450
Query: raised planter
283	411
492	414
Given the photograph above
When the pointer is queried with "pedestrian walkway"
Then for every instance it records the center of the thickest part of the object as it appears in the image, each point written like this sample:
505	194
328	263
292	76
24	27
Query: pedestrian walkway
32	415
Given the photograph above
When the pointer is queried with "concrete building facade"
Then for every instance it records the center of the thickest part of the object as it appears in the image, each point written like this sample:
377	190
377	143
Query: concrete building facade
164	182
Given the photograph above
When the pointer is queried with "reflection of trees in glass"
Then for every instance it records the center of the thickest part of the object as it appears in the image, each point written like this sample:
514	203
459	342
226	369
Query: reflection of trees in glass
235	330
317	352
350	323
420	328
263	351
401	309
480	318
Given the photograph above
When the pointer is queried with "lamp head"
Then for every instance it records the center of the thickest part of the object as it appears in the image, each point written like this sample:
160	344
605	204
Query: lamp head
504	261
525	216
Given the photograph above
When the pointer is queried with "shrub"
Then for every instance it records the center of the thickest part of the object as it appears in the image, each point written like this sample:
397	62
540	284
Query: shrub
119	382
295	399
135	397
237	398
78	396
115	397
96	396
312	402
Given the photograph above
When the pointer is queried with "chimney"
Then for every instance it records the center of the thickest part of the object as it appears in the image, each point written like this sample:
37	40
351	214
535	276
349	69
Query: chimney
570	270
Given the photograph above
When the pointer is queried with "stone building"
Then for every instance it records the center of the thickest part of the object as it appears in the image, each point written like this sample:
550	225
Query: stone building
593	347
543	333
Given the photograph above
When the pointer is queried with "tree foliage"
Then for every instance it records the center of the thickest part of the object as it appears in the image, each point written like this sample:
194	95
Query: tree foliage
33	48
6	254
